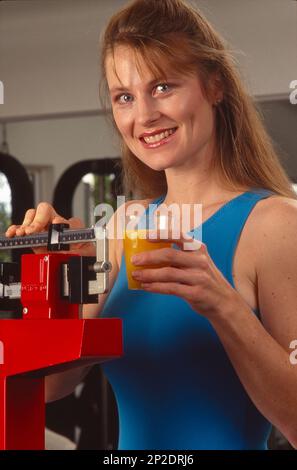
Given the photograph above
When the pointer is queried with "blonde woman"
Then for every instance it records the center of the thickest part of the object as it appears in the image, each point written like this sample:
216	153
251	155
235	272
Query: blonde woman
207	339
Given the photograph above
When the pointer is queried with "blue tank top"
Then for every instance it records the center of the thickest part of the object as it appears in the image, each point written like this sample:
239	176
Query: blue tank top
175	386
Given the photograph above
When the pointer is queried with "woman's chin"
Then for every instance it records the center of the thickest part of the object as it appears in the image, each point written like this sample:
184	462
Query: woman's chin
158	163
158	167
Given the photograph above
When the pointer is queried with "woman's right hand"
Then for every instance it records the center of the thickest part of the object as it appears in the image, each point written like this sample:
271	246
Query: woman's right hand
39	219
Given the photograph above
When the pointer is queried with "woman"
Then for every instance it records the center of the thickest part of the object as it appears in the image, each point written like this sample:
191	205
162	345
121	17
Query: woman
207	340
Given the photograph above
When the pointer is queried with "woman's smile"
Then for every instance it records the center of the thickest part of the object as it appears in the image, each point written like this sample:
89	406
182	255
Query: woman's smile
155	140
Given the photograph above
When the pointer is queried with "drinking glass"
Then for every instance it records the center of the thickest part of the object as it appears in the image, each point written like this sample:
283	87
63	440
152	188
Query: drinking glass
136	240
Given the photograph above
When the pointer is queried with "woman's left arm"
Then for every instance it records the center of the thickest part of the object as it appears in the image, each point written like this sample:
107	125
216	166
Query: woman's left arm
263	353
259	352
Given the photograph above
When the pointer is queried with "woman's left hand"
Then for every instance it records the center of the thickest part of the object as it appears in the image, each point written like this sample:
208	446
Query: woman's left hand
190	274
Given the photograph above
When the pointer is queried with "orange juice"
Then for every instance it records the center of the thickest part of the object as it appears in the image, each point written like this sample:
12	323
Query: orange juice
135	241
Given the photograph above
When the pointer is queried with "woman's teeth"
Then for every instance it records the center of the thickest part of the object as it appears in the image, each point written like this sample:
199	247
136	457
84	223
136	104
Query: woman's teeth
158	137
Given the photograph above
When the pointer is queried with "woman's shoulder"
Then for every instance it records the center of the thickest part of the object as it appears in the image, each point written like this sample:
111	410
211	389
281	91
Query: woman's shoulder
271	228
275	208
269	218
272	223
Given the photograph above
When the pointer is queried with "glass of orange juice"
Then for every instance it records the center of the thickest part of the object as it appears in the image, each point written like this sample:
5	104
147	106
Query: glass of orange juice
136	240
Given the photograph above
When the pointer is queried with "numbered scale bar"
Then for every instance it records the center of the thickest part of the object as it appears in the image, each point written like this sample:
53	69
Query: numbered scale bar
55	238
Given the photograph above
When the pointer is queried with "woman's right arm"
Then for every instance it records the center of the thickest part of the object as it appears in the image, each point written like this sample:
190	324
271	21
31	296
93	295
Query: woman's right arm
61	384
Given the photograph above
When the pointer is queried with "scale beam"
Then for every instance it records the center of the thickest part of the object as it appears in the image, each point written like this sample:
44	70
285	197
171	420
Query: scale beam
53	237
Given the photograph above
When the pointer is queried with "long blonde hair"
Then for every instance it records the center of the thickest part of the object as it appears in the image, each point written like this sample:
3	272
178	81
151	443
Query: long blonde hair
172	33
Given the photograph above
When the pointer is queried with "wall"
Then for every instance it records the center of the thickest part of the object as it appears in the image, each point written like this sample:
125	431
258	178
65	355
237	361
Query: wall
49	65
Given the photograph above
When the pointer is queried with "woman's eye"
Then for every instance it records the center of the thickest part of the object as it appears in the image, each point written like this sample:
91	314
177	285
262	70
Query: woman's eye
162	87
124	98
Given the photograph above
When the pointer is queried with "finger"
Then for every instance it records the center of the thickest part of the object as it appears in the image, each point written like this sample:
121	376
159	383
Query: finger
19	229
29	217
170	288
75	222
58	219
44	215
167	274
171	257
10	232
37	226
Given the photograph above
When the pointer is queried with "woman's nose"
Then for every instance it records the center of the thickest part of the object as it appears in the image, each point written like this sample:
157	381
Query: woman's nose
147	110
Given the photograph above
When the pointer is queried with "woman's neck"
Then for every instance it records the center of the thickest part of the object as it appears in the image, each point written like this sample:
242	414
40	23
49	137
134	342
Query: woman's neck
199	189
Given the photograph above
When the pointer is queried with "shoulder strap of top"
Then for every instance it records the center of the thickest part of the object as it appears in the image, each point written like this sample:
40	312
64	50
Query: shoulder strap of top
221	237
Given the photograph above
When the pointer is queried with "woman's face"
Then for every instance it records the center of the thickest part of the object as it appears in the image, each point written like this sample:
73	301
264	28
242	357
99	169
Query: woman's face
166	124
